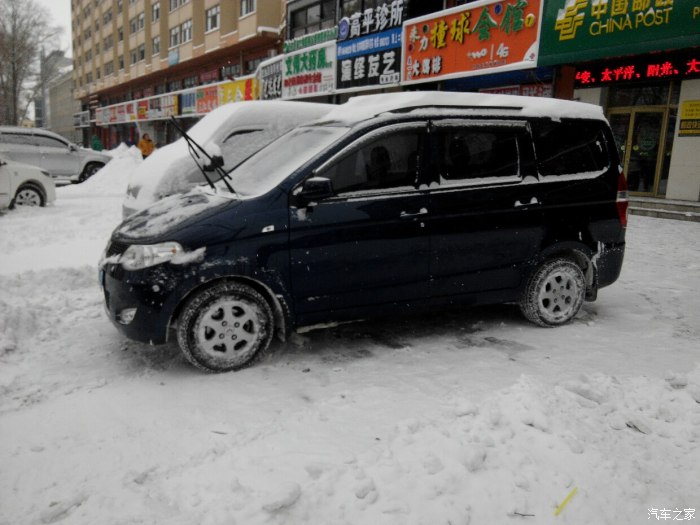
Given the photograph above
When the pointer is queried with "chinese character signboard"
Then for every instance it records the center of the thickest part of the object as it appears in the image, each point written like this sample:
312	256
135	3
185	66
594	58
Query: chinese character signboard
310	72
207	99
142	109
689	125
270	79
657	66
369	47
581	30
238	90
188	102
464	41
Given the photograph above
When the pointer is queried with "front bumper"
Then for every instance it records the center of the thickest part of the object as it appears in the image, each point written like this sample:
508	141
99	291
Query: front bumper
143	291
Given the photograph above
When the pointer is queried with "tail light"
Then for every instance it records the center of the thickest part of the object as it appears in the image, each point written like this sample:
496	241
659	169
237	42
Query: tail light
622	200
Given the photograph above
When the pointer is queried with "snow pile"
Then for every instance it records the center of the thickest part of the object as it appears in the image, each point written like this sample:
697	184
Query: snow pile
112	179
467	416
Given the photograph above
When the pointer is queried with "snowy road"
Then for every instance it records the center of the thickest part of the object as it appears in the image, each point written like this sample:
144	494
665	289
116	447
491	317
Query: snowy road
471	416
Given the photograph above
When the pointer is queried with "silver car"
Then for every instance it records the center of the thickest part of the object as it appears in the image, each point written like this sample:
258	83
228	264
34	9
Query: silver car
50	152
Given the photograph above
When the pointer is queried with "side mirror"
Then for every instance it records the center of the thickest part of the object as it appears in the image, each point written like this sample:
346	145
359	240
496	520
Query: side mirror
316	189
72	147
217	161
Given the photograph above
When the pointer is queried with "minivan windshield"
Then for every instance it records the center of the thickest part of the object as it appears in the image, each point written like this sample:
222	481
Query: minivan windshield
271	165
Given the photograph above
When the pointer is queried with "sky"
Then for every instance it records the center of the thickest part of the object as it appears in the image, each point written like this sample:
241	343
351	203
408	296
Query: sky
60	16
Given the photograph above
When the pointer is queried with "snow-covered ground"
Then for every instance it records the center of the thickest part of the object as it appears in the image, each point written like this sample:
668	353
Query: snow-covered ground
469	416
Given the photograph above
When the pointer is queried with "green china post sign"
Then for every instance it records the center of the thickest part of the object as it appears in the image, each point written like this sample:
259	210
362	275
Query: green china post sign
584	30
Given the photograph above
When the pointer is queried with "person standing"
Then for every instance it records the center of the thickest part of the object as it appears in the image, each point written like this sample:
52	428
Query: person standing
146	145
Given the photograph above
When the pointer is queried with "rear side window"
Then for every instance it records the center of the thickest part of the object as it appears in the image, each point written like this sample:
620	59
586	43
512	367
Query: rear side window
570	147
477	154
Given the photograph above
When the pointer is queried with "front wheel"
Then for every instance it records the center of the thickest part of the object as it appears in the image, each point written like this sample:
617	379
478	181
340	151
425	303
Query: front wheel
28	196
554	294
225	327
89	171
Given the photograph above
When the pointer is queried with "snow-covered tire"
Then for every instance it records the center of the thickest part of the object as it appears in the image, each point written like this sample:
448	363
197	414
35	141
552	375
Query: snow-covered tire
224	328
554	294
28	195
90	170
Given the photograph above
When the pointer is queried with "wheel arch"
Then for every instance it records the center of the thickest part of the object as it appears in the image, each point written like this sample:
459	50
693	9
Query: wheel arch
278	305
88	164
579	253
34	184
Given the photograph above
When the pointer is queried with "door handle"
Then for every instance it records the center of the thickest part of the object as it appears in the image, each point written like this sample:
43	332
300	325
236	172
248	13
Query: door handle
405	215
532	202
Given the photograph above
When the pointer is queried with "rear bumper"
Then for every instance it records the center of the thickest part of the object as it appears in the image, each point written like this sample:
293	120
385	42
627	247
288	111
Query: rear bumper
609	263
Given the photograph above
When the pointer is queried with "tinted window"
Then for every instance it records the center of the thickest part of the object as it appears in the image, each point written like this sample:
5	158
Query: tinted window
49	142
388	161
570	147
475	153
17	138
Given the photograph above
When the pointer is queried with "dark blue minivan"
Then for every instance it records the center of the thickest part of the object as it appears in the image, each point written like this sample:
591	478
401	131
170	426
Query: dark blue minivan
389	203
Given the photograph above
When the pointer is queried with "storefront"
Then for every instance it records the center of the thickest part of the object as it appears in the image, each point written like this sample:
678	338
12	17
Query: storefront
636	59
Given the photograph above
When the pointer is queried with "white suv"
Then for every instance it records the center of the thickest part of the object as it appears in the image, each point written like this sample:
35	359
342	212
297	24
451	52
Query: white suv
24	185
50	152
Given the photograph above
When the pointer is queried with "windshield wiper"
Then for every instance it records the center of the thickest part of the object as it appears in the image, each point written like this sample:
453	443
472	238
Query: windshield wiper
216	163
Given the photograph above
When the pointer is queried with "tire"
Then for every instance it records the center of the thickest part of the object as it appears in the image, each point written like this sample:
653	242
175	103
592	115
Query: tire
28	195
554	294
224	328
89	170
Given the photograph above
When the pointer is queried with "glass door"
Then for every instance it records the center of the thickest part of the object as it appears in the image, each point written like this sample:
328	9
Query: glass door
640	136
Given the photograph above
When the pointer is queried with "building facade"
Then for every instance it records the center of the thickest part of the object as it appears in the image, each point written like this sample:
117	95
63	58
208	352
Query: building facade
638	59
126	50
62	108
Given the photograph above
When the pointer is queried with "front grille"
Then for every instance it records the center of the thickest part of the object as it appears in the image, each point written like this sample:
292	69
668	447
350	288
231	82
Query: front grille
116	248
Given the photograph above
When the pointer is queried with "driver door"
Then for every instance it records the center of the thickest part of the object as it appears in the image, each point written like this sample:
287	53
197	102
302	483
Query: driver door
367	244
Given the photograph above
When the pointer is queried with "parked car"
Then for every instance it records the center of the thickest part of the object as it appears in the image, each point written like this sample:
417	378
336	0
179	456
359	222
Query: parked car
51	152
236	130
24	185
391	203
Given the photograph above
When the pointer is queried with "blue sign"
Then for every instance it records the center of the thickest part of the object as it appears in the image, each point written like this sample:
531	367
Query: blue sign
369	44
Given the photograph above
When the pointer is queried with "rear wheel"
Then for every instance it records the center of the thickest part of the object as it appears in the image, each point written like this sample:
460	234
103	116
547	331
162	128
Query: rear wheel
28	196
554	294
225	327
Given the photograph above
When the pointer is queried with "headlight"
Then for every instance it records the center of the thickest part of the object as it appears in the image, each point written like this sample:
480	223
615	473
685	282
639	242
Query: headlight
139	256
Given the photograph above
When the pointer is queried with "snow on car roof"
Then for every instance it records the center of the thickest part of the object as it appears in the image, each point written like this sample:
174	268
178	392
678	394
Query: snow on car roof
361	108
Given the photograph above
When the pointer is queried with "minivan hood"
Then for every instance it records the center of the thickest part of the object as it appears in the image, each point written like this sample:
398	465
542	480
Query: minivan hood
173	213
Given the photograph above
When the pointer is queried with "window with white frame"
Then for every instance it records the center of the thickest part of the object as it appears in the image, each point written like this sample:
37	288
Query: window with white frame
186	31
141	52
174	4
155	45
155	12
175	36
247	7
137	23
212	18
